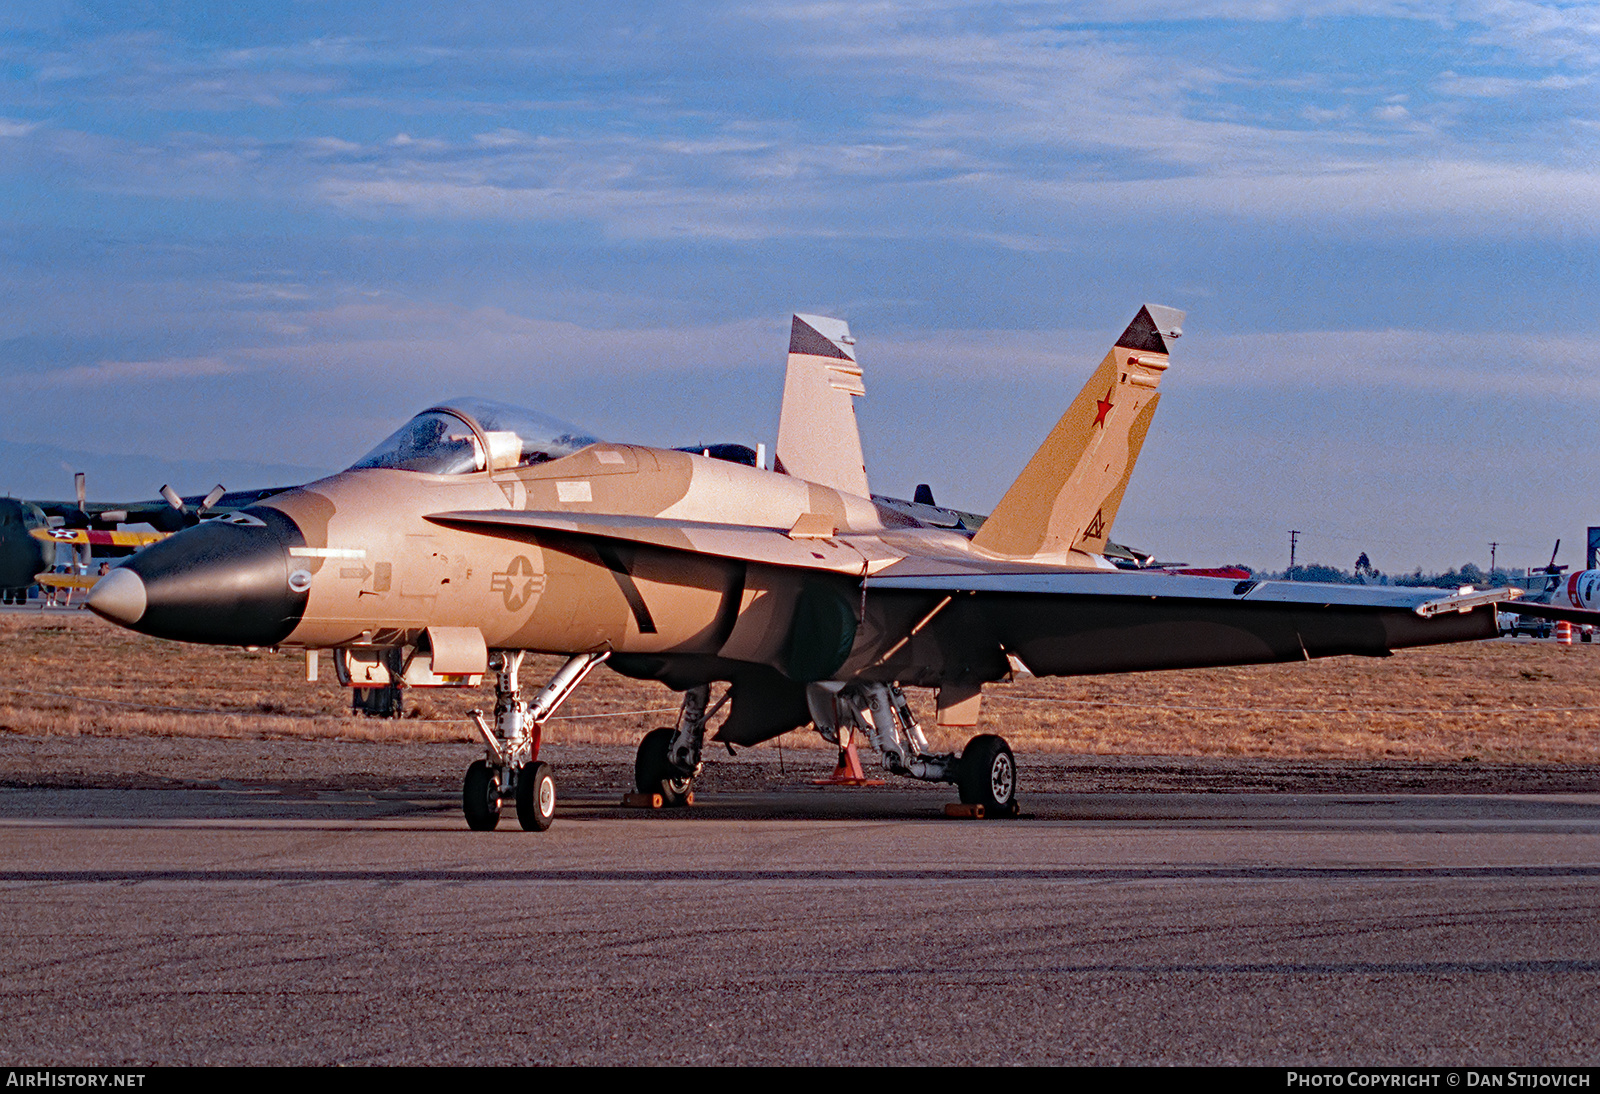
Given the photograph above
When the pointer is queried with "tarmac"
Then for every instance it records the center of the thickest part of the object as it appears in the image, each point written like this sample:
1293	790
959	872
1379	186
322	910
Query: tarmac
248	902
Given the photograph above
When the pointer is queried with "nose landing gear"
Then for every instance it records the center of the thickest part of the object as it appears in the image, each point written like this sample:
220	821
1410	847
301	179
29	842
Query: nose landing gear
512	769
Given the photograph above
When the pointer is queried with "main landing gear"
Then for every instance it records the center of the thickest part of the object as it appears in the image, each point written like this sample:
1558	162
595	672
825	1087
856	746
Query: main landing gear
512	768
985	773
669	757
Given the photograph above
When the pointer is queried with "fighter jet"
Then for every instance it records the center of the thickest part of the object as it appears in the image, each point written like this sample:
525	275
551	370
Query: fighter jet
479	532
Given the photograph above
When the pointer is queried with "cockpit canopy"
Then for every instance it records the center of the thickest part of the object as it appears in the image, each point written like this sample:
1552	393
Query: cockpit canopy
461	436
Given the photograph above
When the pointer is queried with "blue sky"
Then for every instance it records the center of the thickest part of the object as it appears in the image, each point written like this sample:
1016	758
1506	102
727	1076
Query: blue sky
267	233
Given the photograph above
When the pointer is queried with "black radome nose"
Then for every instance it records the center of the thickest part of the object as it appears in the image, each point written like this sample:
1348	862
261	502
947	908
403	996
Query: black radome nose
225	582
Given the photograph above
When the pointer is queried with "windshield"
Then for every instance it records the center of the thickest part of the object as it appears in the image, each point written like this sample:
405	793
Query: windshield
466	435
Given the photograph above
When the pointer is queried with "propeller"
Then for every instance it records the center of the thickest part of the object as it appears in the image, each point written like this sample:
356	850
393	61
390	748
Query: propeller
1551	567
183	516
80	518
80	484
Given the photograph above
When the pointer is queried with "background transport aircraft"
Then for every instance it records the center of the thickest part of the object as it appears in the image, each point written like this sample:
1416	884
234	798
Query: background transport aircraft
21	555
478	532
85	525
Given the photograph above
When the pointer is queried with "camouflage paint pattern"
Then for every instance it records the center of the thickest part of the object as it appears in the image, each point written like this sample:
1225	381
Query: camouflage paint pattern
690	570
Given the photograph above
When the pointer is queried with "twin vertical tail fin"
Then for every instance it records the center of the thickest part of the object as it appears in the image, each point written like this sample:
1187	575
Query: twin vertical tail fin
818	439
1061	507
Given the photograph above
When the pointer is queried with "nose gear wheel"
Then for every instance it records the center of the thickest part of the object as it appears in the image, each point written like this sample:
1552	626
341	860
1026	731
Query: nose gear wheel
480	797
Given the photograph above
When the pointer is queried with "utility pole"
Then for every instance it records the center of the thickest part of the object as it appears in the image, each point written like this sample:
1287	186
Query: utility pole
1492	546
1294	536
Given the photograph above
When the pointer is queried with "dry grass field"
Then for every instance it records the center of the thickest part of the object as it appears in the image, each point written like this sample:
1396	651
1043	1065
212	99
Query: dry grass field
66	672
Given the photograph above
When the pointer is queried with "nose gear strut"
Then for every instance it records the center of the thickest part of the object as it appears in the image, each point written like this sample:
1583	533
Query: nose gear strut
511	767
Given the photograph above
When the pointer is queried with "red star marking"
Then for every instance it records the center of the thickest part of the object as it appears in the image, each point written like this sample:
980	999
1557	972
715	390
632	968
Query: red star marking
1105	407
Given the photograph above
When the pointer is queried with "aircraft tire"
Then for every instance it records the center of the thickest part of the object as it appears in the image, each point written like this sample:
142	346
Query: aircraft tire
652	774
480	797
536	797
987	775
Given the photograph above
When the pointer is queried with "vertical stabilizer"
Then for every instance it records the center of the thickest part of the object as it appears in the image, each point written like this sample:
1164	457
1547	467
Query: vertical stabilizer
818	439
1061	507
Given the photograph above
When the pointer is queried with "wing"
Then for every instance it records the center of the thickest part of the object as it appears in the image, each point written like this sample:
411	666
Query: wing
1070	623
89	537
66	581
1552	611
802	547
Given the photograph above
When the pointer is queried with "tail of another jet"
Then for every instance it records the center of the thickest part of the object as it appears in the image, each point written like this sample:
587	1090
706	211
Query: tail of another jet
818	439
1061	507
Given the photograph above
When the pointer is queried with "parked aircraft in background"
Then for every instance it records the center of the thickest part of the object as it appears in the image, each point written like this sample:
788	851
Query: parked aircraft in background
1555	595
478	532
31	530
21	555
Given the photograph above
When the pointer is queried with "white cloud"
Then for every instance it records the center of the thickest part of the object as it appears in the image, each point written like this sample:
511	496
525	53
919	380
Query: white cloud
1503	87
1423	361
129	373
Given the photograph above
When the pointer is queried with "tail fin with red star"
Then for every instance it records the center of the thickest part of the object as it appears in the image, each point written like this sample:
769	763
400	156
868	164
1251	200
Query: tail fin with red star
1061	507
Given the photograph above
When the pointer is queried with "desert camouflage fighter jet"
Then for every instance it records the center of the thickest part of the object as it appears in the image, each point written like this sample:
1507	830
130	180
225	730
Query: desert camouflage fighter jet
479	532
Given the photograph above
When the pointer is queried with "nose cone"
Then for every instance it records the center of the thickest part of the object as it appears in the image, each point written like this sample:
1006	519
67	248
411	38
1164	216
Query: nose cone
119	597
225	582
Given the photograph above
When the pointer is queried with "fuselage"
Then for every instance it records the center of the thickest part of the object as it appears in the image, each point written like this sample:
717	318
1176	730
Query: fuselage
1579	590
379	567
369	558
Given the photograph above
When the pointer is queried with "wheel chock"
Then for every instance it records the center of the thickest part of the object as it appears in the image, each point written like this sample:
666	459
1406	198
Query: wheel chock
652	801
961	811
848	771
